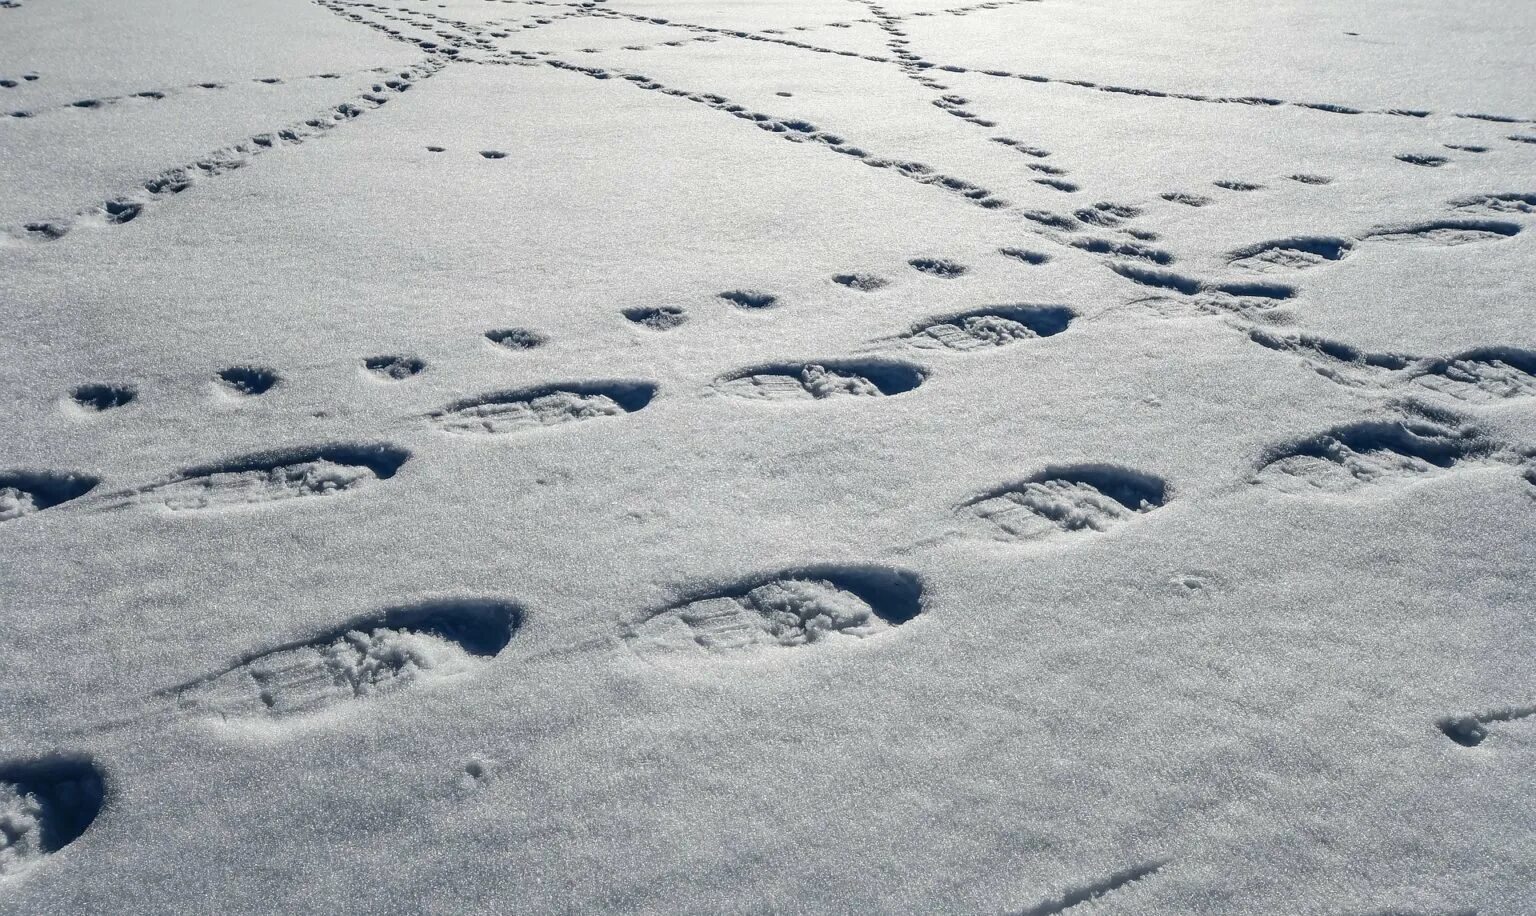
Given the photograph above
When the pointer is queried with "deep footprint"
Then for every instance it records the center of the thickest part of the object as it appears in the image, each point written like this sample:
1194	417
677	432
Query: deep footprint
660	318
1069	499
991	327
377	655
516	338
248	380
547	405
273	477
823	380
98	398
784	610
394	368
24	493
45	804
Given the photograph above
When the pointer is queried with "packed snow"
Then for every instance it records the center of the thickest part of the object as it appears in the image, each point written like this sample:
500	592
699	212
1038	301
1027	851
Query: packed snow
821	456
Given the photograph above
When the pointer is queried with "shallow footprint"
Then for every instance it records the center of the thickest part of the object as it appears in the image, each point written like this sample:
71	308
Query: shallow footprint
45	804
989	328
1296	253
376	655
547	405
1068	499
1447	232
1371	452
272	477
787	609
1483	376
659	318
822	380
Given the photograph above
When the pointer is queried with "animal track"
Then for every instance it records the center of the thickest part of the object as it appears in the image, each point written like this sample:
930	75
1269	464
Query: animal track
864	282
660	318
1446	232
373	656
248	380
546	405
103	397
986	328
45	804
787	609
937	267
750	298
1433	162
1311	179
1370	452
516	338
1071	498
493	154
272	477
1238	185
1296	253
1470	731
26	492
822	380
394	368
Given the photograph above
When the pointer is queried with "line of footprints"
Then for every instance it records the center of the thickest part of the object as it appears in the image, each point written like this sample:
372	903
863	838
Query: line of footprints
48	802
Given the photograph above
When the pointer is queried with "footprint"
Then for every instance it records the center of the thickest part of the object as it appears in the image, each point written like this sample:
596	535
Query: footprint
1483	376
1470	731
1349	457
1106	214
822	380
25	492
1433	162
1123	250
1497	203
547	405
516	338
272	477
1295	253
1238	185
393	368
1311	179
373	656
991	327
819	605
660	318
867	283
750	298
1070	498
493	154
248	380
1190	286
1028	257
1447	232
937	267
97	398
1187	199
45	804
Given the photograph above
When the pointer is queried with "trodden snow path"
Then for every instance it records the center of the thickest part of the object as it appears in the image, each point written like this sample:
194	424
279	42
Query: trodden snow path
829	456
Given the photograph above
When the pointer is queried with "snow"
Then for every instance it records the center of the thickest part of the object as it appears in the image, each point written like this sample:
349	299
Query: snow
810	456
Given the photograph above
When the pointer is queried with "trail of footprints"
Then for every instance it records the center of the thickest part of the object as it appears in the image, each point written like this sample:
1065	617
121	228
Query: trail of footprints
46	803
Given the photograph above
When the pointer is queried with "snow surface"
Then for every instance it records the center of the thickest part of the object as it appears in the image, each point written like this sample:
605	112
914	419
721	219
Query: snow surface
809	456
